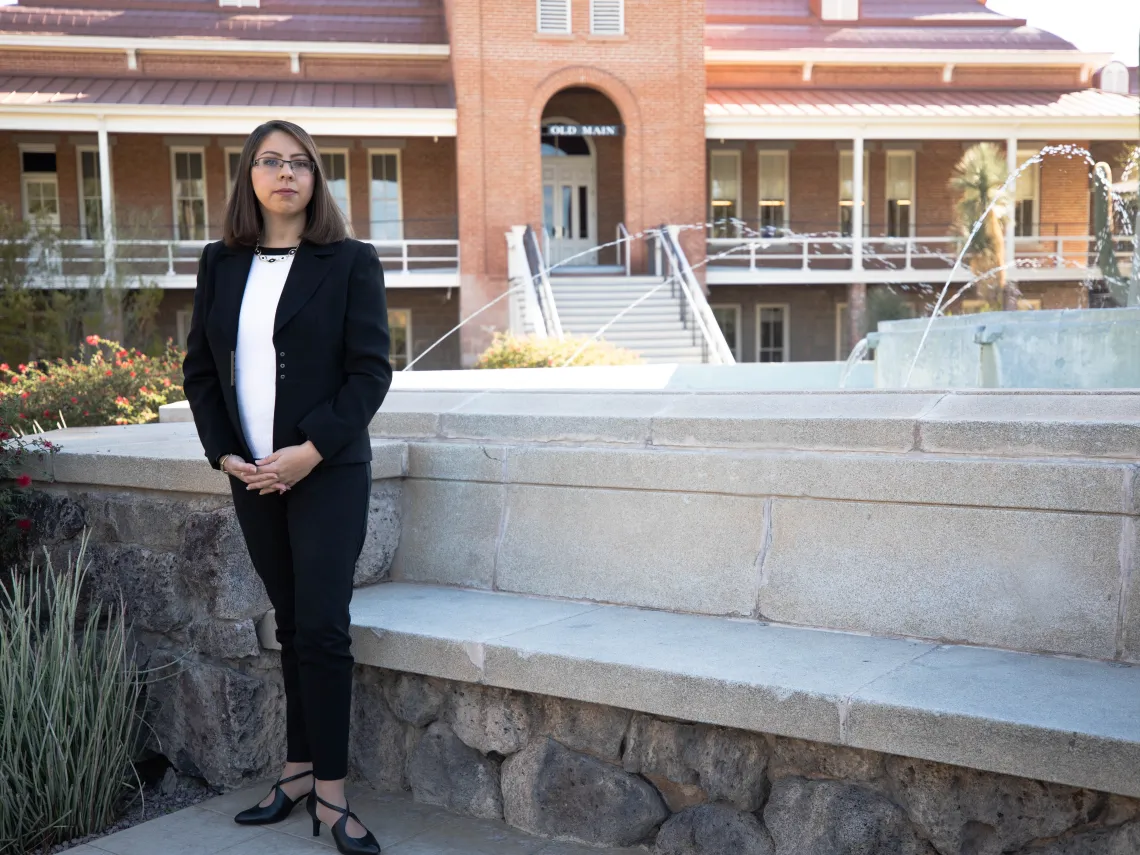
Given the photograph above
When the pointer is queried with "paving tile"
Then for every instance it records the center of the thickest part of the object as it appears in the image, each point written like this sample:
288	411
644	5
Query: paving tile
392	817
575	849
191	831
83	849
280	844
455	835
236	801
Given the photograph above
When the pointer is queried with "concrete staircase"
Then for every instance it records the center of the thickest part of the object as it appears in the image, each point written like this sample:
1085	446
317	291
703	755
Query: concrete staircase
653	328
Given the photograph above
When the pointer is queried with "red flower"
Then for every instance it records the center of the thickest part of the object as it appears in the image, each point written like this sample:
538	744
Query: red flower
3	366
22	368
23	394
43	378
132	374
142	389
75	400
122	353
109	372
47	412
24	524
24	480
48	444
3	434
92	339
21	415
86	413
15	379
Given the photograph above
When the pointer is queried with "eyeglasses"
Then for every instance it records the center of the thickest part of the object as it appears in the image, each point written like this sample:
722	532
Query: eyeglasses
299	167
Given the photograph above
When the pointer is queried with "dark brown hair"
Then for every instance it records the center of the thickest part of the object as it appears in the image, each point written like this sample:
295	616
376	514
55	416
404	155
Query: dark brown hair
243	221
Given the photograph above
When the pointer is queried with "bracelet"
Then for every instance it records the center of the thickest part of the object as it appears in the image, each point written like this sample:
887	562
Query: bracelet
222	462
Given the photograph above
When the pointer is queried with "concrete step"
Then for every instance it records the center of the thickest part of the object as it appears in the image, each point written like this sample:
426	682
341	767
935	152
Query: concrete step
1013	713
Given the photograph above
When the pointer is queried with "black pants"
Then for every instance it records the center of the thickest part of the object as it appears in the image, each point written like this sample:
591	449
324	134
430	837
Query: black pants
304	544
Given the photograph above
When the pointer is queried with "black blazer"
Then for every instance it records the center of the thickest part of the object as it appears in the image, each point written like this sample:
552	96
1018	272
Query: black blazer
331	336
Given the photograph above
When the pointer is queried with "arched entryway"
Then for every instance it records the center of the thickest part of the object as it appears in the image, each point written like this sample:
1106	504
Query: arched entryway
582	177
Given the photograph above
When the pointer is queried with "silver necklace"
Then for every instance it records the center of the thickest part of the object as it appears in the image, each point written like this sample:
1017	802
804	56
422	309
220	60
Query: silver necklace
273	259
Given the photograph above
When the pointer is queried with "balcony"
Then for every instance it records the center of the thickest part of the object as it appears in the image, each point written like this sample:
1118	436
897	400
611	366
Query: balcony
154	258
829	258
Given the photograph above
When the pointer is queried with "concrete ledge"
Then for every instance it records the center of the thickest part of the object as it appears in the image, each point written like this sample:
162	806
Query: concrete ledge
1007	424
161	457
1068	721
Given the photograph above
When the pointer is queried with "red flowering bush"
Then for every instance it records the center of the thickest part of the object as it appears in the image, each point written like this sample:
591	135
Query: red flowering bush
16	454
507	351
105	384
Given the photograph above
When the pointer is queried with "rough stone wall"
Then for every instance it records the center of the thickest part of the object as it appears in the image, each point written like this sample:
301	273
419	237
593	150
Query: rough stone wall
606	776
215	703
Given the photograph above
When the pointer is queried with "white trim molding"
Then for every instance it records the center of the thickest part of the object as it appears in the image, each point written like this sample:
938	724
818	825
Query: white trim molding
904	56
195	44
236	121
933	128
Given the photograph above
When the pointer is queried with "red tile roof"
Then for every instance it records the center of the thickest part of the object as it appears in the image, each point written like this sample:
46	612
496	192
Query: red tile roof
35	91
941	103
407	22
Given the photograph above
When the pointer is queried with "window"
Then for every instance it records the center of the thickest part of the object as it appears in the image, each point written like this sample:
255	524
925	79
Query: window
189	194
1114	78
773	191
233	158
724	193
400	329
385	217
607	17
334	167
90	195
839	10
900	193
728	319
39	184
842	332
772	333
182	320
847	192
1026	222
554	16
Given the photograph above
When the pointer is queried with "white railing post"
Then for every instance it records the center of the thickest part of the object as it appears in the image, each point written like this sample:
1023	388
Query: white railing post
907	256
805	242
106	201
857	212
1010	259
170	258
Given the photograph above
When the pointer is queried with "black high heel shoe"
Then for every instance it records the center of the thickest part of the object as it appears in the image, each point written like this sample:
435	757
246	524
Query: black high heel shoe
278	810
366	845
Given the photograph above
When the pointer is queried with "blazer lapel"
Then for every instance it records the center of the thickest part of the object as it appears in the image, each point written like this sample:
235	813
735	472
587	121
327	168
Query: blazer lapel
308	271
229	288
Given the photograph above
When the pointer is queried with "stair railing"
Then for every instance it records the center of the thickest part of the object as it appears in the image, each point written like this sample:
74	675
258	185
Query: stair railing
714	347
624	255
539	284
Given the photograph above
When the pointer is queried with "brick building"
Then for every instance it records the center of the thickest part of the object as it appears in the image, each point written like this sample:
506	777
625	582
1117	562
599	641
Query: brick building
751	124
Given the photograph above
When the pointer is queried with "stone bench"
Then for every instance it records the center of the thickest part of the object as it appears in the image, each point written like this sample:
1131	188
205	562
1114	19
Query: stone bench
1013	713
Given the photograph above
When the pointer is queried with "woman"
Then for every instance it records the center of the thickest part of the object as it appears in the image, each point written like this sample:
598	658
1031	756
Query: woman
286	363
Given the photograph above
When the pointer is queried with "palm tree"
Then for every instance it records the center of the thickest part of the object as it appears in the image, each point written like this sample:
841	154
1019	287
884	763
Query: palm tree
978	179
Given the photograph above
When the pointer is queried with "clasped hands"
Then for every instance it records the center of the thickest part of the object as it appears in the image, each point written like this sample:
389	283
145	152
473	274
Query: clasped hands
276	473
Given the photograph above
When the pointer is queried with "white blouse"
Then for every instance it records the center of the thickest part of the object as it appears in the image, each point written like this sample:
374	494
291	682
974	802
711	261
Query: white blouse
256	357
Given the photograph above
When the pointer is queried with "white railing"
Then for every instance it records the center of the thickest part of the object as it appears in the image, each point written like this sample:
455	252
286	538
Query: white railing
624	249
718	351
134	257
807	253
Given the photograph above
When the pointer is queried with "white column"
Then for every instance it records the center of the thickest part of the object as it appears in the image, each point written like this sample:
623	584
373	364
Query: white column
107	201
1010	226
857	212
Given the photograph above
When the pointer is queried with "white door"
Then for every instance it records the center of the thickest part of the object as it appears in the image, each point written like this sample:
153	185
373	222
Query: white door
569	206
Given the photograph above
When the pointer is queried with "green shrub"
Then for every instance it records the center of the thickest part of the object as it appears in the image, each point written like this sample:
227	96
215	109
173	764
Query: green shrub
69	721
105	385
508	351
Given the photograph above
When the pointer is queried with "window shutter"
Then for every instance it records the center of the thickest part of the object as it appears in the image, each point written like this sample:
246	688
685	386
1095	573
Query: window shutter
607	17
554	16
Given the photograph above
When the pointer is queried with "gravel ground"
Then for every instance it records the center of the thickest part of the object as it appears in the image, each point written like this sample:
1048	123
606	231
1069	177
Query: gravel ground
172	793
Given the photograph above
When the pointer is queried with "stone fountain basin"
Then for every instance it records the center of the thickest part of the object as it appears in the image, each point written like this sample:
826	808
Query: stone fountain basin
1070	349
